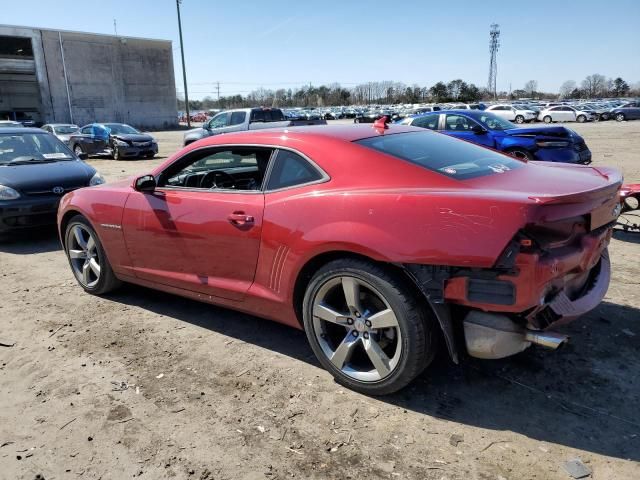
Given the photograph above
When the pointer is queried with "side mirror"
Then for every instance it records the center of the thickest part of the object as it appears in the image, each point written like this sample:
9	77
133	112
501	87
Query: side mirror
83	156
478	130
145	183
206	126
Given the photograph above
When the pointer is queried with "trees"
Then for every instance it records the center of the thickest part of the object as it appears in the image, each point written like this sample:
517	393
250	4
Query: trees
531	87
620	87
594	85
439	92
566	88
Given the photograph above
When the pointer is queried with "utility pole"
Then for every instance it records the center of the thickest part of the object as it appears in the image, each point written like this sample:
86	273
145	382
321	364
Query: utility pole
184	71
115	27
218	88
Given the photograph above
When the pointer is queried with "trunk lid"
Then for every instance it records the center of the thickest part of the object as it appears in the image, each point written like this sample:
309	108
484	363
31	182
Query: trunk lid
560	191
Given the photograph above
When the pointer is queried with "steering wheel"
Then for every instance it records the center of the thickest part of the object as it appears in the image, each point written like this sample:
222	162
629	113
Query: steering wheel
218	179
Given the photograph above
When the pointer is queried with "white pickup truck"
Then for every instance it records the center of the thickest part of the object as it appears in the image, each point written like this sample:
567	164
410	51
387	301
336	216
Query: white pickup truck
244	119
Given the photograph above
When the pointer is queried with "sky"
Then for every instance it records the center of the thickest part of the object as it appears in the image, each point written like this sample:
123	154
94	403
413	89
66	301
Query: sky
247	44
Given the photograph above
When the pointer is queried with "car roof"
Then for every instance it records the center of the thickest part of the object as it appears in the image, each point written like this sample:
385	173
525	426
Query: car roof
347	133
462	111
22	130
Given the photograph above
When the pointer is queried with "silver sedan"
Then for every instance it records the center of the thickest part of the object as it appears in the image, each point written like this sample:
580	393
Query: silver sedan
565	113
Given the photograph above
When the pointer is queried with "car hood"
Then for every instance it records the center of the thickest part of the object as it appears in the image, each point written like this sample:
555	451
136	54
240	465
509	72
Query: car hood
133	137
45	176
555	132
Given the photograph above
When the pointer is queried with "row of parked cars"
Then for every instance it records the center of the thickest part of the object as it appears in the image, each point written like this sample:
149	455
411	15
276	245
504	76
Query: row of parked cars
517	111
116	140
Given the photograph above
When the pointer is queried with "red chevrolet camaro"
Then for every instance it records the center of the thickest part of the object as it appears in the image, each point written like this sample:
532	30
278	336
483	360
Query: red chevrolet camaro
378	241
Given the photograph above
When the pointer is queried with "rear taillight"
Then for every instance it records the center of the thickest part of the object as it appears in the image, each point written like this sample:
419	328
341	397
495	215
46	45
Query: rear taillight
561	233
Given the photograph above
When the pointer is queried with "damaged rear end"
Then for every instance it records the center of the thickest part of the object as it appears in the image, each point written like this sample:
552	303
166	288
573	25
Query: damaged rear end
555	269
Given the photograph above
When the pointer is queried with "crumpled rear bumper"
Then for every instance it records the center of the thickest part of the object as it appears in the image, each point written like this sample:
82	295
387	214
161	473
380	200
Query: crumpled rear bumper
565	310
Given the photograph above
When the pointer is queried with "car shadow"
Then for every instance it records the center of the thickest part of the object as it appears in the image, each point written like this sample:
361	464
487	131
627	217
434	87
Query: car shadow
582	396
27	242
631	237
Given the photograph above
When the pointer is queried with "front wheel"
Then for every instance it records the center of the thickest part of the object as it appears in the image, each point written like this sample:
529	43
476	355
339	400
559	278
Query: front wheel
546	119
520	153
116	154
581	119
519	119
87	257
620	117
367	327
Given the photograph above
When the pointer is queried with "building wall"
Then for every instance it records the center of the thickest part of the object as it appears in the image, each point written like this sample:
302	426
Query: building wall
111	79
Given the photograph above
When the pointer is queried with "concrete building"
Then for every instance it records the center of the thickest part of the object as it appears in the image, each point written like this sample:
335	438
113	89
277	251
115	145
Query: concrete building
72	77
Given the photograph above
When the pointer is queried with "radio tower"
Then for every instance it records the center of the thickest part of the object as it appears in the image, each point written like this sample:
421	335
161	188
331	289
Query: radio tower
494	44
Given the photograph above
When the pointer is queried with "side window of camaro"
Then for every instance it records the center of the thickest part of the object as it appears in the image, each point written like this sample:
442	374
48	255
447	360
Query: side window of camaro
291	169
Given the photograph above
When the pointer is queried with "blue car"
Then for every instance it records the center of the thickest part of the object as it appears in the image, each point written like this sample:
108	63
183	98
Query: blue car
548	143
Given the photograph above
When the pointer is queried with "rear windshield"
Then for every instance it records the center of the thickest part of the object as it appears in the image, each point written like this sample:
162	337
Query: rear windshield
449	156
267	116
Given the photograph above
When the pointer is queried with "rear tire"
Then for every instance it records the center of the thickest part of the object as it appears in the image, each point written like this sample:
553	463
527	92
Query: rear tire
620	117
342	330
77	149
546	119
87	258
519	119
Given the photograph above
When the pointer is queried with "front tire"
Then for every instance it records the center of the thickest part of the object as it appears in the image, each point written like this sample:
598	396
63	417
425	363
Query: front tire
546	119
367	327
87	258
519	119
581	119
520	153
619	117
116	154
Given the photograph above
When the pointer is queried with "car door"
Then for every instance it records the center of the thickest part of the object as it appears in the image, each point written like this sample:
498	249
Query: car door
86	139
634	111
461	126
220	124
569	114
195	237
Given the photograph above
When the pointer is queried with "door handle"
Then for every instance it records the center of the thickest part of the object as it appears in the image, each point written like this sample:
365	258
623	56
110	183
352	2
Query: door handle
240	218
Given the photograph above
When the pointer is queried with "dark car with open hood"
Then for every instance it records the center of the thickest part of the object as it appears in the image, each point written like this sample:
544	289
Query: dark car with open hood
36	170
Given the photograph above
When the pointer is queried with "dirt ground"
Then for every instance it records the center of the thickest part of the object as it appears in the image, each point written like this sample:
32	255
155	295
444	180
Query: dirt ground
141	384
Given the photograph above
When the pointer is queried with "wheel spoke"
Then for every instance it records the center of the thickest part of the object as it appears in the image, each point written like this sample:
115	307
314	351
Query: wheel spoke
351	289
95	267
344	351
384	319
91	244
86	278
77	232
328	314
77	254
377	356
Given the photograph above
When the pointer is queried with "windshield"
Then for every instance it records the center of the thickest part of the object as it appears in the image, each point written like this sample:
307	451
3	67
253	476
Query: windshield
63	129
443	154
32	147
494	122
120	129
